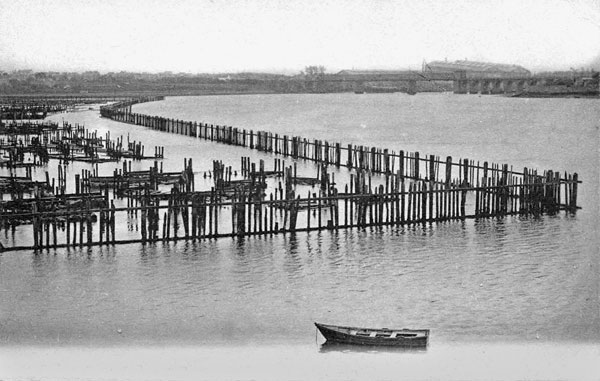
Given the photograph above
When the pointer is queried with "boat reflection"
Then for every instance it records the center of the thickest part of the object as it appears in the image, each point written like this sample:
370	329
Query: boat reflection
328	346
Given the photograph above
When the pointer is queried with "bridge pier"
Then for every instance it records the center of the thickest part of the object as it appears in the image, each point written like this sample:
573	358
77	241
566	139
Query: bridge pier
496	87
460	82
484	86
511	86
481	89
412	87
474	86
460	87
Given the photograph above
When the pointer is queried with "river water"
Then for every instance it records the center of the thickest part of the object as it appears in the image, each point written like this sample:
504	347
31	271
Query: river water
509	298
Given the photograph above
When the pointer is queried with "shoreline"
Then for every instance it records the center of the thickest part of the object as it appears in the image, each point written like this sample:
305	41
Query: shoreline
128	94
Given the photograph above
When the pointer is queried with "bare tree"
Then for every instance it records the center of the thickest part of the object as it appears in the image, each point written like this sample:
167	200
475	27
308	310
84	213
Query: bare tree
314	71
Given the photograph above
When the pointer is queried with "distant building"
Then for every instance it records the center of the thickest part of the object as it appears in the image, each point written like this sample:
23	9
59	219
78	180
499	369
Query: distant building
479	69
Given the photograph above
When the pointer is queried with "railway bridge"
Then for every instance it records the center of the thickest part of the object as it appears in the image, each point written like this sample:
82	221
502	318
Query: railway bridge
462	82
467	83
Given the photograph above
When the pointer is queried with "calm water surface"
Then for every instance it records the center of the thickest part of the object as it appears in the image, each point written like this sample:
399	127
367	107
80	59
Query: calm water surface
504	298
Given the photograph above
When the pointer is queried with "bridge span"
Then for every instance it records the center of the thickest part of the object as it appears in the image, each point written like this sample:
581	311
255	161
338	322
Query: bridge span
462	82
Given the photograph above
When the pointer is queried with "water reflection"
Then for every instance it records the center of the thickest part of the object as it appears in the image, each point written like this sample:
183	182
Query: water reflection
293	262
329	347
490	278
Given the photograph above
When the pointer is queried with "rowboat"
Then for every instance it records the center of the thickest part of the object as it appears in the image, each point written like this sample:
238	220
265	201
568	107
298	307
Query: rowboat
407	338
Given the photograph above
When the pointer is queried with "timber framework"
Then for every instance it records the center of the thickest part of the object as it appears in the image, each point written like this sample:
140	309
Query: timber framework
383	188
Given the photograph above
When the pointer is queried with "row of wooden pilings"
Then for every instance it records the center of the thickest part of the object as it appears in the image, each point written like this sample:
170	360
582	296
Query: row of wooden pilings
75	228
38	107
384	189
188	214
413	165
67	143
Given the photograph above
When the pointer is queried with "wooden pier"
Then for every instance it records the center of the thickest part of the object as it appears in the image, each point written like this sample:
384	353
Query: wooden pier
27	107
385	188
91	217
66	142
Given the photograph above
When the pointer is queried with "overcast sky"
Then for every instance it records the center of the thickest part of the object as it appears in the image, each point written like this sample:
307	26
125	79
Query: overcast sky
285	36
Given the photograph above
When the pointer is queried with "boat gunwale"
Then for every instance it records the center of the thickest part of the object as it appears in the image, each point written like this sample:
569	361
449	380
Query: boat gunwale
390	330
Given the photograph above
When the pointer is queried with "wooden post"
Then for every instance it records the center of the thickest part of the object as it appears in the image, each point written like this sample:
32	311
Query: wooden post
448	170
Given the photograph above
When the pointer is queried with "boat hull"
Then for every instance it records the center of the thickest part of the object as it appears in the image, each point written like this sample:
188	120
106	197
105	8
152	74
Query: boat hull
343	335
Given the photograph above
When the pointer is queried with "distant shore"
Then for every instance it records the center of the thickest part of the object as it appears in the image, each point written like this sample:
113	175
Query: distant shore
537	93
543	95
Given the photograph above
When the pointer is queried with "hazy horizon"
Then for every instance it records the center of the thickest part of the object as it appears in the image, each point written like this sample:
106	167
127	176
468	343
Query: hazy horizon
283	37
594	65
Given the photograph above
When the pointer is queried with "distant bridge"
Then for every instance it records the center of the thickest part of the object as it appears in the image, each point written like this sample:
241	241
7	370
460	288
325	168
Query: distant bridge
463	82
476	83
